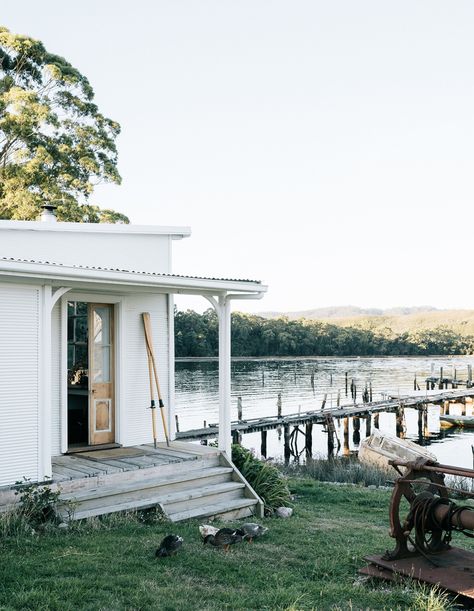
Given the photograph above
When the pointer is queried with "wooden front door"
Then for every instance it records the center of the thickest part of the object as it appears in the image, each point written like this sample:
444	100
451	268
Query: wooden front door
101	374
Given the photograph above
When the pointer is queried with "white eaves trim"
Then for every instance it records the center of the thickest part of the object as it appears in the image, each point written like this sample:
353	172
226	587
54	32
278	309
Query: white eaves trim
175	232
75	276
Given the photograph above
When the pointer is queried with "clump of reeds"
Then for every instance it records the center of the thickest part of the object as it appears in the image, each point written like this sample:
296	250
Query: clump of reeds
432	598
14	524
343	469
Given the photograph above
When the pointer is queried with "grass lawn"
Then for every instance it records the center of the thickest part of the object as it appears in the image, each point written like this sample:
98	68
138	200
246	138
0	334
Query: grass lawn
309	561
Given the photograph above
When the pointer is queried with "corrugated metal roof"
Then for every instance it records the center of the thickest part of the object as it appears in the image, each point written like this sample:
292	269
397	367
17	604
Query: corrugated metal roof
126	271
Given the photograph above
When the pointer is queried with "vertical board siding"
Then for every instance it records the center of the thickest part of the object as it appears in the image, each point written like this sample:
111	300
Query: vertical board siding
56	379
19	378
136	417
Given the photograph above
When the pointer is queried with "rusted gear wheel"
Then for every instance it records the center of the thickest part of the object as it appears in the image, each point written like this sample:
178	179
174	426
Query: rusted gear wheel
431	484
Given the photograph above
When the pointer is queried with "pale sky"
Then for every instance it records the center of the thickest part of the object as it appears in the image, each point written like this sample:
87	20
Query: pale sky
324	147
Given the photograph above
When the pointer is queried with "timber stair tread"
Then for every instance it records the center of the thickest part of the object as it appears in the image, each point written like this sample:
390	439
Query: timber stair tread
196	493
155	499
215	509
144	484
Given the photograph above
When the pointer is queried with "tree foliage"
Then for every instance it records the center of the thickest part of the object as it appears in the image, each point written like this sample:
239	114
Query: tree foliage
55	145
197	335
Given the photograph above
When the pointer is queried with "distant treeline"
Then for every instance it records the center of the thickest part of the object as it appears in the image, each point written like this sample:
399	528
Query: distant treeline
197	335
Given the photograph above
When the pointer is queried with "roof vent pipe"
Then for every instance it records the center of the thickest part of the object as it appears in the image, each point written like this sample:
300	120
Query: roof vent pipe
49	213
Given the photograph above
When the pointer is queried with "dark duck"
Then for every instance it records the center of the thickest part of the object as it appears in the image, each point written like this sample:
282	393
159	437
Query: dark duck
225	537
169	546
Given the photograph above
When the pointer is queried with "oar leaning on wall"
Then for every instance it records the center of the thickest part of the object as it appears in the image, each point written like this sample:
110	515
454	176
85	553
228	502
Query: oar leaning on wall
153	376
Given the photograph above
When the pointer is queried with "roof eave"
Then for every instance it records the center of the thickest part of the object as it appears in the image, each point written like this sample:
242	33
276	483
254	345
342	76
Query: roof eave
173	284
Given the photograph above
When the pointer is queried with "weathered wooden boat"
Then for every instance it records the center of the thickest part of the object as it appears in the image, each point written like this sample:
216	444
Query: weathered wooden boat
377	450
464	421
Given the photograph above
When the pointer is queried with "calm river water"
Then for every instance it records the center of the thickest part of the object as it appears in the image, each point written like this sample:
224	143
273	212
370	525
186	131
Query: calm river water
259	381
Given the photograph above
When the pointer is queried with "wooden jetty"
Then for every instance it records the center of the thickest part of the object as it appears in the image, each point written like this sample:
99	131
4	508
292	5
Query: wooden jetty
392	403
442	381
368	411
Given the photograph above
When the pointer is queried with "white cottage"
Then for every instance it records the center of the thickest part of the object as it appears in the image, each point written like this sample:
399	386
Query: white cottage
73	361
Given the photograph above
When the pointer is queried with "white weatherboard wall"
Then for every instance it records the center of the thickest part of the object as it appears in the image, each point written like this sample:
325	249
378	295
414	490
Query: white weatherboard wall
19	381
56	381
135	422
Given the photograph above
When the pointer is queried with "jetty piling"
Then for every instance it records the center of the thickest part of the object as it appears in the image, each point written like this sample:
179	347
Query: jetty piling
420	426
309	440
330	431
400	421
368	424
426	431
365	394
346	430
286	443
204	440
263	445
356	430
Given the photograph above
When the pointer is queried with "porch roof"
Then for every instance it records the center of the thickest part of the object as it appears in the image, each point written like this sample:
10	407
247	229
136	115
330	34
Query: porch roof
100	278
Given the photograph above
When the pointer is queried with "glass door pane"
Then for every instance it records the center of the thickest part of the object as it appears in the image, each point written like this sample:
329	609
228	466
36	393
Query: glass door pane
101	346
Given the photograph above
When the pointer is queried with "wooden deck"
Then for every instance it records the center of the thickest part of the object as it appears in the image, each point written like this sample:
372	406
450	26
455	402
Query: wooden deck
120	460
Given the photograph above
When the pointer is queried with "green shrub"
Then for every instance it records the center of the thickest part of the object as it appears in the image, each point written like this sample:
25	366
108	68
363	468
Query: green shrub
266	479
37	502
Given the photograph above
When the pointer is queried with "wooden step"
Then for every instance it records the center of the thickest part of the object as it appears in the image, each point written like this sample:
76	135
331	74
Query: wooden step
194	492
144	484
187	495
213	510
104	505
208	495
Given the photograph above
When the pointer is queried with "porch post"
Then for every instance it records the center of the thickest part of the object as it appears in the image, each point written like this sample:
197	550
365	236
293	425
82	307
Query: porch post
224	376
48	299
44	436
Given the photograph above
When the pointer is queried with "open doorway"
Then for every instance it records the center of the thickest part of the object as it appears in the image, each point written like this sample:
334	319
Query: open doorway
91	405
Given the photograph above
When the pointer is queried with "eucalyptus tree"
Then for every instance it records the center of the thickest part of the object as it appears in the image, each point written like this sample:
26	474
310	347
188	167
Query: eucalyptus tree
55	145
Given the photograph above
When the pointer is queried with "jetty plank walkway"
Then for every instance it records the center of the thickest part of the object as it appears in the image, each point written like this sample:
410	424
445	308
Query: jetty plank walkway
391	404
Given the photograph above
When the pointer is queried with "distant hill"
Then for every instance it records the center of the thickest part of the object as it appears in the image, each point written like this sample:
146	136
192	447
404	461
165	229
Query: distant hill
398	320
348	311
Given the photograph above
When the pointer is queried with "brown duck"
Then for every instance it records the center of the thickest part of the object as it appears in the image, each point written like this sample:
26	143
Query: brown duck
225	537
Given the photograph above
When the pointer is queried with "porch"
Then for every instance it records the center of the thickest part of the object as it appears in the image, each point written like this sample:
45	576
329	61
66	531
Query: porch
183	481
99	463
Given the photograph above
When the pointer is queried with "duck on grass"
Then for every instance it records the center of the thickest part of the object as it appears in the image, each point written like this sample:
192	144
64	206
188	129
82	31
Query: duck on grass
217	537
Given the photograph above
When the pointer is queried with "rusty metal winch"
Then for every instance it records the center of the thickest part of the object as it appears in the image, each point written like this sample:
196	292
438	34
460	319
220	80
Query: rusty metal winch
423	517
